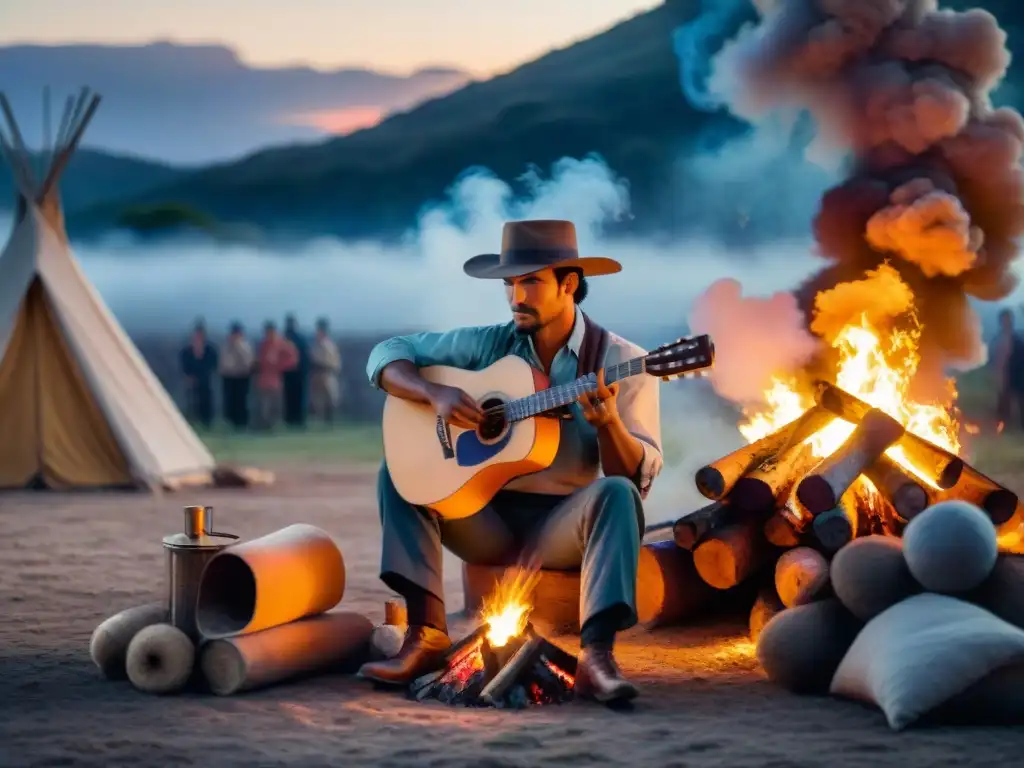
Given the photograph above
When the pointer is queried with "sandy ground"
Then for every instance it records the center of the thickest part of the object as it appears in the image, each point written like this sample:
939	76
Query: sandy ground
66	562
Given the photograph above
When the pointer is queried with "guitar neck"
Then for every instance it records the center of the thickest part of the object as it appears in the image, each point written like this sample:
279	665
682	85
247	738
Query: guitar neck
565	394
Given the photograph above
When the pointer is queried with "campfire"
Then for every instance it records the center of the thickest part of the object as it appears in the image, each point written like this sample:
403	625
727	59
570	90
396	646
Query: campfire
504	663
827	462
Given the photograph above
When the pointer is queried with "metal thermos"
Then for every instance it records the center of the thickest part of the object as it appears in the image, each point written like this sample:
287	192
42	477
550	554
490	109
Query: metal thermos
187	556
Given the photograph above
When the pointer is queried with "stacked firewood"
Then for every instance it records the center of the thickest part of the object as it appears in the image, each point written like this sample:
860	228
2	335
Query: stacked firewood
775	494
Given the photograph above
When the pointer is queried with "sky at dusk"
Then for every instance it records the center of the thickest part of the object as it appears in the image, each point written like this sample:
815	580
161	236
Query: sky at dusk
483	36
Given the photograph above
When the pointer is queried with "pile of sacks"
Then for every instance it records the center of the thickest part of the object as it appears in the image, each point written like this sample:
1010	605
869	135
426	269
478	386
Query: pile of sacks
265	612
927	627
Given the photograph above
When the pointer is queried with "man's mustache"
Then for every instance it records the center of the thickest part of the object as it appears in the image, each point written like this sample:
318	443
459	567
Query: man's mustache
524	310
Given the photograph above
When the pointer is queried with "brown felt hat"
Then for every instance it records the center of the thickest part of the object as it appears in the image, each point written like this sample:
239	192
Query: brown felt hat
530	246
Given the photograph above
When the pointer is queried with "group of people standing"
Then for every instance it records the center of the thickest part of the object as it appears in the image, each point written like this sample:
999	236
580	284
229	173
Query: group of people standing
285	377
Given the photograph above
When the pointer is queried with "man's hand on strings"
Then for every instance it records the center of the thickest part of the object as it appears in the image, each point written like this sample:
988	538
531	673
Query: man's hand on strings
600	407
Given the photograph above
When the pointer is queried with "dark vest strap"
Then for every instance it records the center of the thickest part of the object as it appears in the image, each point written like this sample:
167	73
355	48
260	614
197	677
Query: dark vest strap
592	351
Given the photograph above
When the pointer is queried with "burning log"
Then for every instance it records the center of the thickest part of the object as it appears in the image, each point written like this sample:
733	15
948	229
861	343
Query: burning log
795	513
526	670
837	527
729	555
688	530
943	467
757	490
506	677
907	495
715	480
555	597
821	491
998	502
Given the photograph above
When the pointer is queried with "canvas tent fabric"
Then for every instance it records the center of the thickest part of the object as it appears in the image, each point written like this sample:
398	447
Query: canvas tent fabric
79	407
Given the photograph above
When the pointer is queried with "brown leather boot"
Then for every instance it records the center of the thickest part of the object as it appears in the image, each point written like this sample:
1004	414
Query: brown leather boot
598	677
423	651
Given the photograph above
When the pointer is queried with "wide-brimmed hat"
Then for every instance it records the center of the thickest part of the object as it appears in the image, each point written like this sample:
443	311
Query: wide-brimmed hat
530	246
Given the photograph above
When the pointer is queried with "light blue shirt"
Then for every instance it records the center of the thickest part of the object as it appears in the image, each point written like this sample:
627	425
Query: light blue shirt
577	463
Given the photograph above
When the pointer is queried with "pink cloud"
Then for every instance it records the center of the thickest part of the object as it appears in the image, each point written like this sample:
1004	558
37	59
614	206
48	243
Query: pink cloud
338	121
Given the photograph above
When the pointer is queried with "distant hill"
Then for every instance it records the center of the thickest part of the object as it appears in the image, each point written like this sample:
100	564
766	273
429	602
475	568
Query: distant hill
94	177
616	94
194	104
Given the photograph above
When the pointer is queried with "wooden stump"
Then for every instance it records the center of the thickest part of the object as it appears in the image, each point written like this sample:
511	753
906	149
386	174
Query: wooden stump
668	590
668	587
556	598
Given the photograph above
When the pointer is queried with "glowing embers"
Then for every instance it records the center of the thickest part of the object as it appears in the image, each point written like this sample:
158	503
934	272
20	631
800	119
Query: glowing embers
524	671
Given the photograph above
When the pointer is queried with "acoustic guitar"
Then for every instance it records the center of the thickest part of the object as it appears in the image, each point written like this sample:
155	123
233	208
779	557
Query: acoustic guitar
456	472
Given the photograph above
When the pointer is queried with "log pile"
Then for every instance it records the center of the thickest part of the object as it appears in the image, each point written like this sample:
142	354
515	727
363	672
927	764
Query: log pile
775	496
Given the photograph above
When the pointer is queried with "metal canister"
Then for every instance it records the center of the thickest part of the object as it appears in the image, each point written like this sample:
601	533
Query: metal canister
187	555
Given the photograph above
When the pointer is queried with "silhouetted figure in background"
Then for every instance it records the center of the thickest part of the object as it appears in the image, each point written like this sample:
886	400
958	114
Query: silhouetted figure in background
296	380
236	367
325	368
199	365
1015	377
276	357
1002	351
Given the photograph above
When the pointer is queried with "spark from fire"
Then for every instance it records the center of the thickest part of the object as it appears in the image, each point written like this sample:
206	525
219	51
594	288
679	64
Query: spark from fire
507	609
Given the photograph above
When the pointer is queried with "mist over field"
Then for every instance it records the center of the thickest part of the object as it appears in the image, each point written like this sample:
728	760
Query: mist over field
367	287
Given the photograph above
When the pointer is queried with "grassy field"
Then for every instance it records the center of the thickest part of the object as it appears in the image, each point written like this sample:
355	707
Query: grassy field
350	443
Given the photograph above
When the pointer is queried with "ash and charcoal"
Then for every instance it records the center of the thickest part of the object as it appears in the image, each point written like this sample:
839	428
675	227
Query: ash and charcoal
527	671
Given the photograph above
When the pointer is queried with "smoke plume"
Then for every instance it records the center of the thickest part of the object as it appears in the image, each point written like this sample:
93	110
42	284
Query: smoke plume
934	187
756	339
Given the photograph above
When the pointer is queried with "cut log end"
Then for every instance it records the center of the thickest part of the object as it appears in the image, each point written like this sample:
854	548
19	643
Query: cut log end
780	532
668	587
801	575
729	555
910	500
834	529
710	483
691	528
1000	505
717	564
950	474
752	494
815	493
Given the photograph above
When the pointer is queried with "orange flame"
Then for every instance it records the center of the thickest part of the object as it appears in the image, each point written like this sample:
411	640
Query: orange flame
878	368
507	609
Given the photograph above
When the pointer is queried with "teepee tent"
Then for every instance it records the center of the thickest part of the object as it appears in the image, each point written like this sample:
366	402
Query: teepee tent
79	407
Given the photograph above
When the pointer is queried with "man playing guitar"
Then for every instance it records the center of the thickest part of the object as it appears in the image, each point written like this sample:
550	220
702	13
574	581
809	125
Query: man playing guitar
584	511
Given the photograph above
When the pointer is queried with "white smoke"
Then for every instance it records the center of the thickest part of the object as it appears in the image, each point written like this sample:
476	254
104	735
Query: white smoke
369	287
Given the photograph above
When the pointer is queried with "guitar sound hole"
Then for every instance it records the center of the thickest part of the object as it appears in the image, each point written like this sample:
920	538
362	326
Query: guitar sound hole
493	426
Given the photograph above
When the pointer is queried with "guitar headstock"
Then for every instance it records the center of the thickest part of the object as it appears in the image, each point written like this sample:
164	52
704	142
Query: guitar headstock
690	356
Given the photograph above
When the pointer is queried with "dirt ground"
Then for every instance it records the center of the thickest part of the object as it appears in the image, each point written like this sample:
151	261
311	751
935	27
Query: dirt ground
68	561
